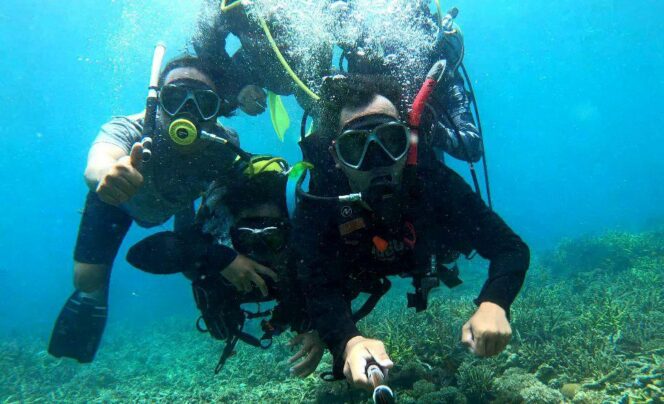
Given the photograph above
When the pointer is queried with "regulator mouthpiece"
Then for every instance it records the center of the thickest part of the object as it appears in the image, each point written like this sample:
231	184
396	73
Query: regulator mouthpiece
183	132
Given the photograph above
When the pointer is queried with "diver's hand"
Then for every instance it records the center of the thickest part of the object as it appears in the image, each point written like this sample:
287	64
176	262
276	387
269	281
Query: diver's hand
243	272
488	331
311	351
359	352
123	179
252	100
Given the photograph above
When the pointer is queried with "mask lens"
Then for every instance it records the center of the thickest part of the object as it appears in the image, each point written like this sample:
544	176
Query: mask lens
254	240
208	103
394	139
172	98
350	146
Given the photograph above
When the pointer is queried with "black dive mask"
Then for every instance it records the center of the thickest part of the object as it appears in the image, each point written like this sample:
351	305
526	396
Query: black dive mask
196	99
261	239
372	141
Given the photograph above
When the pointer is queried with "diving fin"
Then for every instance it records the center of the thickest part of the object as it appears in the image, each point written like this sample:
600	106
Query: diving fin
79	327
278	114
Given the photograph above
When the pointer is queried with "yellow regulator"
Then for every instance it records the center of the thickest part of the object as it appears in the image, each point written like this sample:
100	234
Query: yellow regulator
183	132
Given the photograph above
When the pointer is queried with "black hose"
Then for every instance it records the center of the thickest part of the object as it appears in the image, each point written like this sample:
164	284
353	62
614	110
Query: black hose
302	193
457	132
303	125
479	128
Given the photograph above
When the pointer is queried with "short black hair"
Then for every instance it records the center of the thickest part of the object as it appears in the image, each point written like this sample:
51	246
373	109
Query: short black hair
252	192
353	91
183	61
189	61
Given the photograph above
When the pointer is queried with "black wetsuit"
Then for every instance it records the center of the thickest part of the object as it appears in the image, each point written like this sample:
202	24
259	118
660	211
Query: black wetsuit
198	252
341	245
255	62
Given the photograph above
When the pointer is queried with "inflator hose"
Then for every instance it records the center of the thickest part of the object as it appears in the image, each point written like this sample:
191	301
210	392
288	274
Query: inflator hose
435	74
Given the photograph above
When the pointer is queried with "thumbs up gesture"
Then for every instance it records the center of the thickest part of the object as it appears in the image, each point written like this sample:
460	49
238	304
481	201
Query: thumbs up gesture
123	179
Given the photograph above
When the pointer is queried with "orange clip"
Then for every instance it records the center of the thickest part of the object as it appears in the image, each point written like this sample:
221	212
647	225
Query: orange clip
381	245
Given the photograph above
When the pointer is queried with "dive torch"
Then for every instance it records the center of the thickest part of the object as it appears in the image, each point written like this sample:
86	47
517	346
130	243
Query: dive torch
150	121
382	394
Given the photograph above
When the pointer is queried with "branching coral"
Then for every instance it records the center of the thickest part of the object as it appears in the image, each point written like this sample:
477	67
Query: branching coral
589	316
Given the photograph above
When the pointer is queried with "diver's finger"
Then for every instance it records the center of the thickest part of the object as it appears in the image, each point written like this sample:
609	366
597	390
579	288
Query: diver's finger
259	282
113	194
122	184
260	104
489	345
245	286
467	336
136	155
300	354
305	368
346	371
505	341
357	370
381	357
296	340
261	269
480	345
107	198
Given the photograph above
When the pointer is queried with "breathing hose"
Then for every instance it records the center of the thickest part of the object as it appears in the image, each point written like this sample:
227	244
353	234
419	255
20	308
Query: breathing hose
273	44
283	61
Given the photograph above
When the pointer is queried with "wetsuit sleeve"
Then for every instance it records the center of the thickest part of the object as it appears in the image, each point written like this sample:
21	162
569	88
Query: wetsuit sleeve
185	251
454	128
120	131
481	229
321	279
230	73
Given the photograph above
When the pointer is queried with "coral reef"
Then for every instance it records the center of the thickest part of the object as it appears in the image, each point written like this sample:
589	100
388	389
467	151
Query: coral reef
517	386
586	329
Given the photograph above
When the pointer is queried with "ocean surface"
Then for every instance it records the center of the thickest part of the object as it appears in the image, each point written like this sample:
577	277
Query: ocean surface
570	95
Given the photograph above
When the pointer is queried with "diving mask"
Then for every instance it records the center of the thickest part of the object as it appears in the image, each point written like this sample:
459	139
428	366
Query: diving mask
173	98
389	137
260	238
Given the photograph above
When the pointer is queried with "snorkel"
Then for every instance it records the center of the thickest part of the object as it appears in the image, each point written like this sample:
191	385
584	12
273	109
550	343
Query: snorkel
152	101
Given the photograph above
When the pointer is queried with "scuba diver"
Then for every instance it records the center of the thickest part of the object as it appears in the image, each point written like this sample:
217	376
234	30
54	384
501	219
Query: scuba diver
372	211
448	124
259	66
251	210
144	168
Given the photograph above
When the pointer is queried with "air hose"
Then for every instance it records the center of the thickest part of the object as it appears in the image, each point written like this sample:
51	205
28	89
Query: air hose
226	7
433	77
275	49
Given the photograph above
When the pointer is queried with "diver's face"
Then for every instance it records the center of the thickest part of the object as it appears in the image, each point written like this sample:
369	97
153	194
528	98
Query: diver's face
382	168
188	78
261	233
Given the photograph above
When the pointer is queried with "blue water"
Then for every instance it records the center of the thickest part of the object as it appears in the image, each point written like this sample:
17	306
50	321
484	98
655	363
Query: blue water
570	95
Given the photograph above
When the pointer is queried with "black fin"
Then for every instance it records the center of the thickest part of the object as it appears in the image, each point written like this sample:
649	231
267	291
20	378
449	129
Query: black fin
80	326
